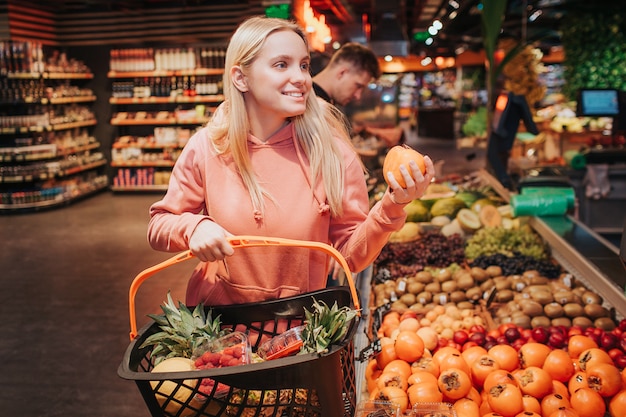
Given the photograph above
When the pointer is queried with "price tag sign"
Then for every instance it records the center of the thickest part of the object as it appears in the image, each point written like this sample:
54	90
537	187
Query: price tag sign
369	351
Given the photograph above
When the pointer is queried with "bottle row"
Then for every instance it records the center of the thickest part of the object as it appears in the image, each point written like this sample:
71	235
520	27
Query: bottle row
61	192
170	59
141	177
29	57
36	90
50	169
41	116
46	144
186	86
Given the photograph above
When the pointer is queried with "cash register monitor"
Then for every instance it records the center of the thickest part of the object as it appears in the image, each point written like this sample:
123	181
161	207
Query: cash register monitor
598	103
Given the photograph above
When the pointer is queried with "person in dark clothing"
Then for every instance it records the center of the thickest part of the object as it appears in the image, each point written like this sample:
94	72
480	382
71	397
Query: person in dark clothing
351	68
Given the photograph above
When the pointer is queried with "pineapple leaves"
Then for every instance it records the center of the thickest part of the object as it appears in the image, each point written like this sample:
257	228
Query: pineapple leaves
325	326
182	330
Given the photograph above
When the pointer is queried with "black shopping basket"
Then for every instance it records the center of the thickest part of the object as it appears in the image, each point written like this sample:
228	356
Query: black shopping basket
310	385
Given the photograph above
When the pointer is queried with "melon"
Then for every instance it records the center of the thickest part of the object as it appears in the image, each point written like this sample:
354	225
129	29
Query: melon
447	207
453	228
468	220
409	232
167	388
490	216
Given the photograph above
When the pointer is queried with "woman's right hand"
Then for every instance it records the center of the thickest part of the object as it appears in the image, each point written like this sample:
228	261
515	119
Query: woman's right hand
208	242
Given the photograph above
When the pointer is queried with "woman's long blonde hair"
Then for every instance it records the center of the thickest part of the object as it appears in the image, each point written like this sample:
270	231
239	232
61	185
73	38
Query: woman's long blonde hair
317	128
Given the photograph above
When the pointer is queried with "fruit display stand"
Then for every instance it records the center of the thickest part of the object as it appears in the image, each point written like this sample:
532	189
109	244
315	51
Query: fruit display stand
588	264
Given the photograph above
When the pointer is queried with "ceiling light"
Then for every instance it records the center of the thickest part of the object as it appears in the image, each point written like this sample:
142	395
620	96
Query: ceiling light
535	15
432	30
429	41
437	24
388	58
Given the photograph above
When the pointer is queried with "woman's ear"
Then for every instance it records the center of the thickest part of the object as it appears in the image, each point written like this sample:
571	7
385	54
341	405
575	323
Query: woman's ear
239	79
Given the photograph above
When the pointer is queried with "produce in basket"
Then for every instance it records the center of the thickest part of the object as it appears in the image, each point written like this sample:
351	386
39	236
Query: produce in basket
182	331
170	391
325	326
230	350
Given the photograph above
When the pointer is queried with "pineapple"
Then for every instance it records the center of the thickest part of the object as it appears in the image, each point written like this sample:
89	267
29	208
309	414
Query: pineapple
325	326
182	331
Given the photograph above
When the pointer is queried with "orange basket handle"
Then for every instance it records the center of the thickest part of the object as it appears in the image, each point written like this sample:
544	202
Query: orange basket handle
237	242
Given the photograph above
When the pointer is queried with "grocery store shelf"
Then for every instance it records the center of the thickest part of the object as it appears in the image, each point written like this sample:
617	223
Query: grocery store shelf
140	188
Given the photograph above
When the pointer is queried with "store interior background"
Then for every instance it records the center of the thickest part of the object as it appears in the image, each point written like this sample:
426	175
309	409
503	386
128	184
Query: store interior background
65	271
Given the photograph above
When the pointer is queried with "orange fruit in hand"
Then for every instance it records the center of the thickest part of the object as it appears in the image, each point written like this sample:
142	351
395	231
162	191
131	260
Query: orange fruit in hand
401	155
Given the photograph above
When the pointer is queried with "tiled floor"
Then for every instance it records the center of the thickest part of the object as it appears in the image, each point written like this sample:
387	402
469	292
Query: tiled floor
64	279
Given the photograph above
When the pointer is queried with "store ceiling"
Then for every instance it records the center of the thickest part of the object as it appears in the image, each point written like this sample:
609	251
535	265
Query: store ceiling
394	20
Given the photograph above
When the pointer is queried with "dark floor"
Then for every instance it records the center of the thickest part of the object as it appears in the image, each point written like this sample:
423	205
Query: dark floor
64	277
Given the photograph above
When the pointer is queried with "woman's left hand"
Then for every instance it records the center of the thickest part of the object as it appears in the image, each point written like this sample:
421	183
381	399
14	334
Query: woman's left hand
416	182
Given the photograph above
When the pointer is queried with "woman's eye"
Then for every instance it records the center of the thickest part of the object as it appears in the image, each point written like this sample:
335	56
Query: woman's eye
305	66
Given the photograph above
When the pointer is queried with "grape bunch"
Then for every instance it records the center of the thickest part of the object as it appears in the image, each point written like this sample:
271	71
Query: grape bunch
431	249
518	263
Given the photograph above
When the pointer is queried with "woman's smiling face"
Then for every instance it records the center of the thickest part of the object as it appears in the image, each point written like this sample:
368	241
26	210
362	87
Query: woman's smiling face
279	80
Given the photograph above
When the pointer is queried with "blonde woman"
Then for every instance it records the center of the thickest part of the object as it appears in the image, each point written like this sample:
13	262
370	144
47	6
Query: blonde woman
270	163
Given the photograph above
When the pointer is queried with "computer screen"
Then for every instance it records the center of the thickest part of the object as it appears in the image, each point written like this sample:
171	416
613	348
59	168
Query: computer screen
598	103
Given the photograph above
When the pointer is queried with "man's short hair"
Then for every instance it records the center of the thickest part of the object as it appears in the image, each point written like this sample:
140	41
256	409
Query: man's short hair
360	56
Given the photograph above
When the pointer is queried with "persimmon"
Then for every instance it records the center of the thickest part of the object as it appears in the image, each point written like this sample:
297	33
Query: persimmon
617	404
534	381
528	414
533	354
577	344
592	356
559	365
394	395
498	377
564	412
552	402
392	379
398	366
472	353
604	378
387	354
481	368
426	364
484	407
454	360
506	356
454	383
506	399
441	353
474	395
409	346
578	380
559	387
588	403
424	393
464	407
531	404
421	377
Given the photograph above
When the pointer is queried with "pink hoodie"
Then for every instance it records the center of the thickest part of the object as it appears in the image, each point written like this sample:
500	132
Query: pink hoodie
206	186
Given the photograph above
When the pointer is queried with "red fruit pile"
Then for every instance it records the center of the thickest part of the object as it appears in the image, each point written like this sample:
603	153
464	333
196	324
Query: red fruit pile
230	356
